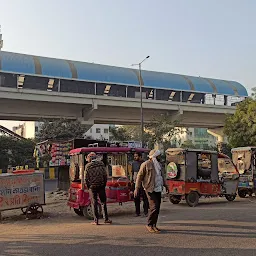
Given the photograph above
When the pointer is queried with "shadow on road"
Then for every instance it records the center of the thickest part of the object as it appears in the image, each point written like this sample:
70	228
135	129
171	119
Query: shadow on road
104	246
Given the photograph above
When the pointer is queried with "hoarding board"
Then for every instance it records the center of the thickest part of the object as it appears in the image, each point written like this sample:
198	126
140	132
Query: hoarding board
18	191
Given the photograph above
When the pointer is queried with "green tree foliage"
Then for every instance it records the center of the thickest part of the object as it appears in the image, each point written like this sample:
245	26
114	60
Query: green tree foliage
61	129
120	133
188	144
16	152
161	129
240	128
254	93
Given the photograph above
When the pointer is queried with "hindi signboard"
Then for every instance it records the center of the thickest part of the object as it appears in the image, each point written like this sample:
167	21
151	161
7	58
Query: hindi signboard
20	190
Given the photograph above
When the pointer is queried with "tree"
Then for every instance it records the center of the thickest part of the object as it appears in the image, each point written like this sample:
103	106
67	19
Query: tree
240	128
119	134
163	128
254	93
188	144
61	129
16	152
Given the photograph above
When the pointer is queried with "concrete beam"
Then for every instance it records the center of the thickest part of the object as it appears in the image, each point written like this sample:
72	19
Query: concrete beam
217	133
31	105
87	99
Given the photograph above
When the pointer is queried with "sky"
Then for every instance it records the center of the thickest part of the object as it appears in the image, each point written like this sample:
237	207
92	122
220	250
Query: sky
210	38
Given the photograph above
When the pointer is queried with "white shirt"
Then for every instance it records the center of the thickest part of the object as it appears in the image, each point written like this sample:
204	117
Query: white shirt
158	182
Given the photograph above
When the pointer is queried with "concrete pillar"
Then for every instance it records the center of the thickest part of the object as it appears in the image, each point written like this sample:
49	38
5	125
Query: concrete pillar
221	140
217	133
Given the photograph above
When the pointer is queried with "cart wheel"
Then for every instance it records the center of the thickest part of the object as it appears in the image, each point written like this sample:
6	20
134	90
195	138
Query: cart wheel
230	198
242	193
175	199
192	199
34	211
88	211
79	212
24	210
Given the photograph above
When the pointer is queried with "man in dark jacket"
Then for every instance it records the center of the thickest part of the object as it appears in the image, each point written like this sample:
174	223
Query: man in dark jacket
96	180
141	193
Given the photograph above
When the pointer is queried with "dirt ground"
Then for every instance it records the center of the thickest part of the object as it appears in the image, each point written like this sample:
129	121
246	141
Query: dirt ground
56	208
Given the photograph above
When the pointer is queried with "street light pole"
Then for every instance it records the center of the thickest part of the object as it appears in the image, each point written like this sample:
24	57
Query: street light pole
141	101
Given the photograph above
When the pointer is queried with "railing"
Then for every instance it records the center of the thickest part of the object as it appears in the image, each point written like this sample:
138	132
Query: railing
113	90
6	131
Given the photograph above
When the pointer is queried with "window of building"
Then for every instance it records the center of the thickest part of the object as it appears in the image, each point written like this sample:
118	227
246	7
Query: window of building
106	130
91	130
97	130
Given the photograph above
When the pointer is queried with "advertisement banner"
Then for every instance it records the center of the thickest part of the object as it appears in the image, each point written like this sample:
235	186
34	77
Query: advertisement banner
18	191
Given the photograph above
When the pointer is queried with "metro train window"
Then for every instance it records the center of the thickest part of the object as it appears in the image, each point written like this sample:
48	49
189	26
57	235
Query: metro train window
8	80
77	87
2	78
131	91
37	83
117	90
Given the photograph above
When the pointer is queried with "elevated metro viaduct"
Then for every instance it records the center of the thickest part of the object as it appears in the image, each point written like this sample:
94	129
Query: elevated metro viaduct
32	87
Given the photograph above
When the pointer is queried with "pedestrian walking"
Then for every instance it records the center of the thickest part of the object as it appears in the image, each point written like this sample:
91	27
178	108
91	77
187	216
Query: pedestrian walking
141	193
151	177
96	180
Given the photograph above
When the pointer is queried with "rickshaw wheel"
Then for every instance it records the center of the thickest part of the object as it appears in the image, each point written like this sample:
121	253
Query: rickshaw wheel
192	199
242	193
230	198
79	212
175	199
24	210
34	211
88	211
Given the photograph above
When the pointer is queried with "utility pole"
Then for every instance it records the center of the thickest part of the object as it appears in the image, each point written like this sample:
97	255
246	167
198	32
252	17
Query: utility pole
141	105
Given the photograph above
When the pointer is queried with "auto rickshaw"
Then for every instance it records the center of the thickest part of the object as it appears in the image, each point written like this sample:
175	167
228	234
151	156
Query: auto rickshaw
118	167
245	160
192	174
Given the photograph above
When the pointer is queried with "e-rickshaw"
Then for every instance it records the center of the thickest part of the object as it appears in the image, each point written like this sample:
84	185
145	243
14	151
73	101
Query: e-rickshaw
118	167
245	160
192	174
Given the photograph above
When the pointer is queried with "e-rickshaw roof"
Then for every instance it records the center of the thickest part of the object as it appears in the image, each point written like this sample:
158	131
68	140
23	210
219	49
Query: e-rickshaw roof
107	150
178	150
251	148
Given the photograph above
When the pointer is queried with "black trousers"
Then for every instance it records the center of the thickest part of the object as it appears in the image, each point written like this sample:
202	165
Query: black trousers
154	200
142	193
94	194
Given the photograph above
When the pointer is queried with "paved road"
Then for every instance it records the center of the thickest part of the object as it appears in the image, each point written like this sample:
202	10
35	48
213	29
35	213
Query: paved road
216	227
51	185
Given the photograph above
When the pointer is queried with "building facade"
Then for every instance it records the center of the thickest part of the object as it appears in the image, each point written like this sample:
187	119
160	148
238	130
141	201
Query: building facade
98	132
199	137
29	130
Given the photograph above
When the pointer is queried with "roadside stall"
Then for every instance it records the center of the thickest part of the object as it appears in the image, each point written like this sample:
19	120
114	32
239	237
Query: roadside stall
23	189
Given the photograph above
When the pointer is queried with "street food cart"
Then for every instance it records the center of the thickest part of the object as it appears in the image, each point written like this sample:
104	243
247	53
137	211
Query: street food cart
245	160
118	188
192	174
23	190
